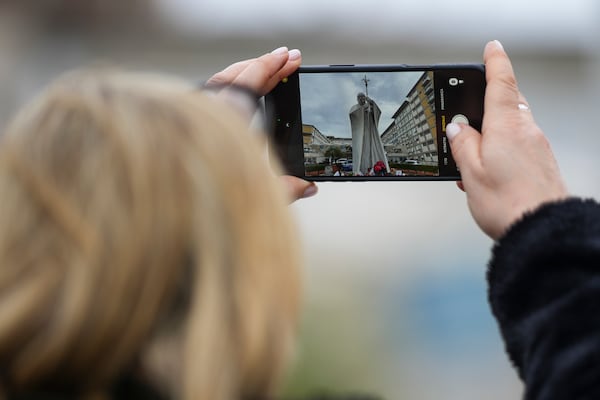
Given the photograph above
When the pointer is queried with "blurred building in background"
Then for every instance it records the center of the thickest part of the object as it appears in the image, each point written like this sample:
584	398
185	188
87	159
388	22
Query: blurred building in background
399	309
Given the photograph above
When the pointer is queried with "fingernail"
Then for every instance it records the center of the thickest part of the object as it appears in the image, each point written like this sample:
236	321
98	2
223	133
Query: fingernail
295	54
280	50
498	44
310	191
452	130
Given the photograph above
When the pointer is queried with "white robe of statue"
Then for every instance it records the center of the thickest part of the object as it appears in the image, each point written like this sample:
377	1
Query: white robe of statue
367	147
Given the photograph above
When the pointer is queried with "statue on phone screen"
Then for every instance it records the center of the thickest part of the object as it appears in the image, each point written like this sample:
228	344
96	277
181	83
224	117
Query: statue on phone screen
367	147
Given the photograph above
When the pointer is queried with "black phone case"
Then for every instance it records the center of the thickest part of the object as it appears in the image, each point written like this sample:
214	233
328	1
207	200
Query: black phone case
442	93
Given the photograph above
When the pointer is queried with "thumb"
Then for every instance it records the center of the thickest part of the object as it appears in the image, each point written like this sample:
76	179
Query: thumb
298	188
464	144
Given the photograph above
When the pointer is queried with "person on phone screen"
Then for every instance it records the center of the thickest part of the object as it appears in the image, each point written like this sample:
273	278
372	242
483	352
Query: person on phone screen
367	147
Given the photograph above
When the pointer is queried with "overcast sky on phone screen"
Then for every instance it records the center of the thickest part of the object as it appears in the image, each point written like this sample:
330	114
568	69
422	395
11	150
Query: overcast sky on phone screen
327	98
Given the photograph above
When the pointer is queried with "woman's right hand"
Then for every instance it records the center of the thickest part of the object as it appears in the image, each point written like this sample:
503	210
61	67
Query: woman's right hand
508	169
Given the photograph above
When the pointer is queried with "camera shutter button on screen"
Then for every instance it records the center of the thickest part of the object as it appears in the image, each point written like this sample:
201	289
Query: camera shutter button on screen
460	119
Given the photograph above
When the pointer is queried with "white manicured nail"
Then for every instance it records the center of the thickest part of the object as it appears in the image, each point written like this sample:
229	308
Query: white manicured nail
280	50
295	54
452	130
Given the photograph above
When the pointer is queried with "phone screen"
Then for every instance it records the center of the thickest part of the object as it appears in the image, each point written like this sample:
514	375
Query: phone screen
353	123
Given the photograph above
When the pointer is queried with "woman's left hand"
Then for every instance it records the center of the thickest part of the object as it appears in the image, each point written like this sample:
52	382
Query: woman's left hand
259	74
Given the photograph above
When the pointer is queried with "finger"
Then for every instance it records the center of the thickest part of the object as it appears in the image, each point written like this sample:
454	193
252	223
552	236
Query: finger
298	188
465	144
260	74
263	73
294	61
460	185
228	75
502	96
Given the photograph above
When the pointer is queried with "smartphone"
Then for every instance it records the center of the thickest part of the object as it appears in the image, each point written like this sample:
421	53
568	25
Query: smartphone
372	122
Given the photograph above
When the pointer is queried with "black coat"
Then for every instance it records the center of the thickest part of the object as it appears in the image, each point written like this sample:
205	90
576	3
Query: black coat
544	290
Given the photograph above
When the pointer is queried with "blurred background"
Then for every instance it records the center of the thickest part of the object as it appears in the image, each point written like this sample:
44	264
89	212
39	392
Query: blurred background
395	293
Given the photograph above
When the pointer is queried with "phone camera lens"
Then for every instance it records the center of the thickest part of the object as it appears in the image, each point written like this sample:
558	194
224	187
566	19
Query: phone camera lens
453	81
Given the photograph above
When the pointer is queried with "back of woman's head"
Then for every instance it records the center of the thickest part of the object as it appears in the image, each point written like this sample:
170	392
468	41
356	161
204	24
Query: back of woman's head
132	209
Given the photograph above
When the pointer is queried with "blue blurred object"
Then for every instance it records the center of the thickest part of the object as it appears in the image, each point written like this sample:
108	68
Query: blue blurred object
448	316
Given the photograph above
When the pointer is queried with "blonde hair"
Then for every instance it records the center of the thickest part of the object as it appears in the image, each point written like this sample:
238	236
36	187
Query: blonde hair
119	194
